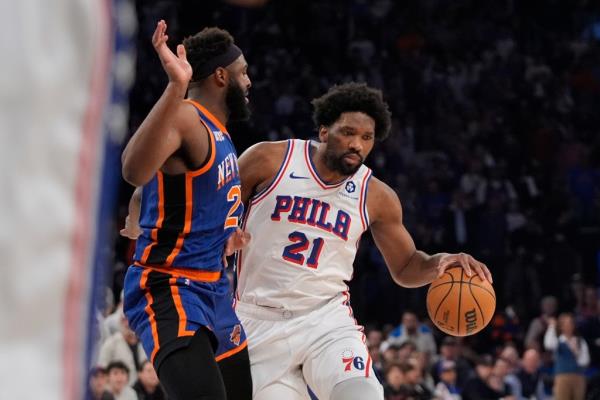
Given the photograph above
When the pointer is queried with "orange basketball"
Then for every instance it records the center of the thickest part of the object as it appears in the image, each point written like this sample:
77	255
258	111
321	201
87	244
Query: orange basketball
460	305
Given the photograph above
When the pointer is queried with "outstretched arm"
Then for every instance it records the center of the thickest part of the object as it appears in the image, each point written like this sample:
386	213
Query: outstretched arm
408	266
160	134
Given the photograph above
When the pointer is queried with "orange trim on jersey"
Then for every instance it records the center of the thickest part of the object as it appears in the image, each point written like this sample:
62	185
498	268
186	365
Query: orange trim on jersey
187	227
182	331
232	351
213	154
161	215
151	316
209	115
189	273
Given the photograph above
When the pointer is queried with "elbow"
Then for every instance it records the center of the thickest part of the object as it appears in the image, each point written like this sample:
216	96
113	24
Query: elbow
402	280
133	177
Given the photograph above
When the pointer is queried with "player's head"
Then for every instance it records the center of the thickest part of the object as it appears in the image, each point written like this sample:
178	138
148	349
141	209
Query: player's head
349	118
213	55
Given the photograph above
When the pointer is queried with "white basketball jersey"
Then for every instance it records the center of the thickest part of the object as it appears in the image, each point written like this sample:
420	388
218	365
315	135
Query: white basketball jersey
305	234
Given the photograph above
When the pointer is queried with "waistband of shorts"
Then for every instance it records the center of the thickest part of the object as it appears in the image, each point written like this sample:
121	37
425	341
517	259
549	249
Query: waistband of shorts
189	273
274	313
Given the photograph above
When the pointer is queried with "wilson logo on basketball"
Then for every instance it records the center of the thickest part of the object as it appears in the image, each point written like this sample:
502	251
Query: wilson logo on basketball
471	320
236	335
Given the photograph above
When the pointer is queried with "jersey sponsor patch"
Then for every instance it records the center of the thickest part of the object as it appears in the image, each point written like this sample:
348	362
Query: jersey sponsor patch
350	187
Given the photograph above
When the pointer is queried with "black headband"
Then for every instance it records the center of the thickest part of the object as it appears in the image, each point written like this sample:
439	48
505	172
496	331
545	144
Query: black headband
222	60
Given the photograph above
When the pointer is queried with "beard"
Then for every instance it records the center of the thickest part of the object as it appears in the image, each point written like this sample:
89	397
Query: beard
337	163
235	100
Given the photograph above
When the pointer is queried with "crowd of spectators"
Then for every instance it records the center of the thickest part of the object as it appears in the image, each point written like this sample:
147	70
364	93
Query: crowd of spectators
495	150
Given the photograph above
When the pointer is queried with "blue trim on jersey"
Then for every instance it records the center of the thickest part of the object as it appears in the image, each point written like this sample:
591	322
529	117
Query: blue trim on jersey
316	173
364	205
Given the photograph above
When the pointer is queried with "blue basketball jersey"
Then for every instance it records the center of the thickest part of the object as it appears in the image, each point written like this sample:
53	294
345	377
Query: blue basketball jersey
187	218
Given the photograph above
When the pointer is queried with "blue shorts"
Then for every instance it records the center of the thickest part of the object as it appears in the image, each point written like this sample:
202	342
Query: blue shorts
165	308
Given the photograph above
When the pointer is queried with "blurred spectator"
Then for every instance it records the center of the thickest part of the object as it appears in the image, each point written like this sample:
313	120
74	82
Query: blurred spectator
147	385
118	381
374	337
394	379
446	388
588	309
571	356
530	376
479	387
538	325
449	351
112	323
510	355
377	361
411	330
123	346
98	383
413	382
498	380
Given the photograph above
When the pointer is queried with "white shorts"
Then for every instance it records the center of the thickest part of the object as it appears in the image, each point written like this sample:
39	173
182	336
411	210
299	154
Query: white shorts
289	351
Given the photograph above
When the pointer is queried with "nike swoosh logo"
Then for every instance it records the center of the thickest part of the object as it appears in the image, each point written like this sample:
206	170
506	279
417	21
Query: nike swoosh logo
298	177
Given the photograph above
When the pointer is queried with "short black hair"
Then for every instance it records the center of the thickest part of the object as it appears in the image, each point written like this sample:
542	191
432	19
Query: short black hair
117	365
204	46
351	97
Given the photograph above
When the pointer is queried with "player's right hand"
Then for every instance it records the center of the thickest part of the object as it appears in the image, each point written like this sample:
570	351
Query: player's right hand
177	66
131	231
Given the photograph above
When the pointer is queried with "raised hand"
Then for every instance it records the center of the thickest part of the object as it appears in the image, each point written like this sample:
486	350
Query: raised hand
177	66
467	262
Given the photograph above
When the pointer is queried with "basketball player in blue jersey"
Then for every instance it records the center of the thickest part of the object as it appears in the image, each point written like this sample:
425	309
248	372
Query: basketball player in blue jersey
308	203
177	297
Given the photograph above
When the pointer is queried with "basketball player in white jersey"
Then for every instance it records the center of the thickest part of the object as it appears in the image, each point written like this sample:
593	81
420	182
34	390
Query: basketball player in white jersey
308	204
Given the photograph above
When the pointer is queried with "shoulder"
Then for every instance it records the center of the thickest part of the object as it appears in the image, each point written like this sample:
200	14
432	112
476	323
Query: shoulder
382	201
187	118
265	155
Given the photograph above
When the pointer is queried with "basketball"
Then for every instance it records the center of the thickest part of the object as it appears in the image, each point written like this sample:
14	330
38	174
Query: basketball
460	305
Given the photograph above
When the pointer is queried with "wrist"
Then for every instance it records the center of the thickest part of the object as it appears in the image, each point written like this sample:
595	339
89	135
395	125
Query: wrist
178	89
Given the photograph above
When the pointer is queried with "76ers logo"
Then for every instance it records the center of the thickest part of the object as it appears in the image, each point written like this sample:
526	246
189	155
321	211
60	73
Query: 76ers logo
350	361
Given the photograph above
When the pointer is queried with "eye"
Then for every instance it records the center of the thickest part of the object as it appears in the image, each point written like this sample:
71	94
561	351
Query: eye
367	137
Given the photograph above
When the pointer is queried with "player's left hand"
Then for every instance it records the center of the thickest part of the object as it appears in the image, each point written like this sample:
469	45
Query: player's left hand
236	241
131	230
467	262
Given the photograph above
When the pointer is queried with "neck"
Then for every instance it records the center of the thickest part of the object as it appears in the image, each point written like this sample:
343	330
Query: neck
317	155
213	100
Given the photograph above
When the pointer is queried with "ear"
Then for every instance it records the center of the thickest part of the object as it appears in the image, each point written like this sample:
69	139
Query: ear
221	76
323	134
